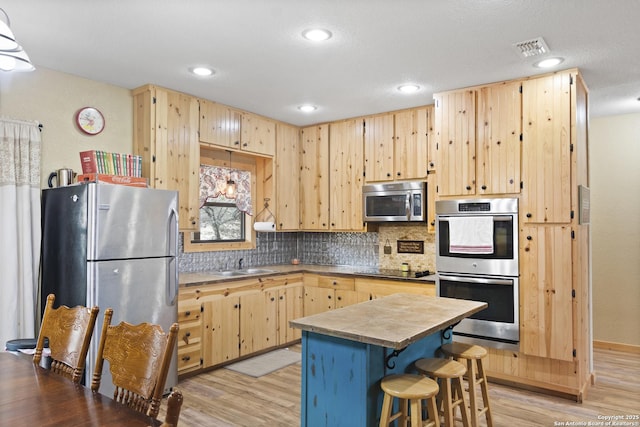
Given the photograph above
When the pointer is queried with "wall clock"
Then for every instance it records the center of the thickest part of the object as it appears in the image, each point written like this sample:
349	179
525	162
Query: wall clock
90	120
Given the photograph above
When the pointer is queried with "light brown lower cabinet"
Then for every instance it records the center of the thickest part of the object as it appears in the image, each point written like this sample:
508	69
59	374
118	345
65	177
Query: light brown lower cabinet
219	324
222	323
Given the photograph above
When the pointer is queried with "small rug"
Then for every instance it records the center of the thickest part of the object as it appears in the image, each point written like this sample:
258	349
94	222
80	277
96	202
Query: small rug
266	363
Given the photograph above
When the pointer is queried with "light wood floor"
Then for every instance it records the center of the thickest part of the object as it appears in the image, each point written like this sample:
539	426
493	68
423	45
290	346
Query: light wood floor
226	398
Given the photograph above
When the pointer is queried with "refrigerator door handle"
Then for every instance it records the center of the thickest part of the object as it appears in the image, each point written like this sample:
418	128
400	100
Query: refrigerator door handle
172	282
172	233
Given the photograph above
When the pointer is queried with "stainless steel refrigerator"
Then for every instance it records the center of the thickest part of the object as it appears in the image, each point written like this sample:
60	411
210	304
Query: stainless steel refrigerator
112	246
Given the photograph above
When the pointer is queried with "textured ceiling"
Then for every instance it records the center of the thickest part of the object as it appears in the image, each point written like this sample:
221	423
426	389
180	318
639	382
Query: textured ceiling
263	65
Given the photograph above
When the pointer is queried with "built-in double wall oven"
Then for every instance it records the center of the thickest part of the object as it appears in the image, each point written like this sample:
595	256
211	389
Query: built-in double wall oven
477	259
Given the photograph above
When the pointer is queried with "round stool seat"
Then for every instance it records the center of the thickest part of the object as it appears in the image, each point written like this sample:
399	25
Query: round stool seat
409	386
464	351
441	368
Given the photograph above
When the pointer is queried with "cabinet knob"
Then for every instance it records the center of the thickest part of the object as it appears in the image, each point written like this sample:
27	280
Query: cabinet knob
433	223
187	313
431	164
399	173
273	299
236	143
335	283
245	144
484	187
528	214
468	187
388	175
281	297
186	358
339	298
529	237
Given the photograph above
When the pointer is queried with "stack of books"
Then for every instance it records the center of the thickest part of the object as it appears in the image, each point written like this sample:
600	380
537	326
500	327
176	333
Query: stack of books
113	168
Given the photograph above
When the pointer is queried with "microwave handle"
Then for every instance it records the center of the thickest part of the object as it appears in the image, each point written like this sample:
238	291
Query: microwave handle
407	206
477	280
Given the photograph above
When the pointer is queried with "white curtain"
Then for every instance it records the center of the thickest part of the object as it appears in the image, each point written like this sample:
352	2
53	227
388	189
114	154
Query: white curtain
20	231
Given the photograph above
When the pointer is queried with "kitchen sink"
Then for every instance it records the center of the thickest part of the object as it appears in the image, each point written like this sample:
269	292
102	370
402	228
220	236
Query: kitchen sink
244	272
257	271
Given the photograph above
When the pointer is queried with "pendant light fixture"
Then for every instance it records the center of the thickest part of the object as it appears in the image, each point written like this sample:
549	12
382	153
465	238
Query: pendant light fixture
12	56
230	191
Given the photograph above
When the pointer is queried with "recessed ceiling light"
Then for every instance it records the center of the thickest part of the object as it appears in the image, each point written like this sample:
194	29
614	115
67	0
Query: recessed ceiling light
307	108
549	62
410	88
316	34
202	71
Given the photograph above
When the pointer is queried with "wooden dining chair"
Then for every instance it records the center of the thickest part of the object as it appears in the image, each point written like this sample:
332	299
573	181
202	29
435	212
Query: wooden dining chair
174	404
139	357
69	332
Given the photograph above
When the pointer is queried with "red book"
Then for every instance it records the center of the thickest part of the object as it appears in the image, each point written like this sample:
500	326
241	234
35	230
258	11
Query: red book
89	161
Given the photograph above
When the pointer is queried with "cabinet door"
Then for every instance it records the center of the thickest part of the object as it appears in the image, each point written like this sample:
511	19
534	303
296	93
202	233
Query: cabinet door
546	156
455	125
378	148
431	139
219	124
546	292
220	329
166	136
314	178
411	148
287	178
345	182
258	321
318	300
498	139
258	135
346	298
290	307
431	202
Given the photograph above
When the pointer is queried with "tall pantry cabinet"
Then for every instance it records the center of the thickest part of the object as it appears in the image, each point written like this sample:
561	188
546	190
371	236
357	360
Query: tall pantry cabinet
166	136
555	347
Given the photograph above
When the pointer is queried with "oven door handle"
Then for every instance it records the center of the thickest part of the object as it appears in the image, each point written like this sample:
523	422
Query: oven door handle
480	280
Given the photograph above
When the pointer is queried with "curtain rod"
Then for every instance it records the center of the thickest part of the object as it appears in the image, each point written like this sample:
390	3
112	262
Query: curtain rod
24	122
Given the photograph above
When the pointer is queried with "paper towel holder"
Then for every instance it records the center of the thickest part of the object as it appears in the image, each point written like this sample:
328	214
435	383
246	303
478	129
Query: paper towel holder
264	211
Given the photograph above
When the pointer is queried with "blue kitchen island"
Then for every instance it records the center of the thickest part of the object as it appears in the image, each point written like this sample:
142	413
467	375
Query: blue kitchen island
346	352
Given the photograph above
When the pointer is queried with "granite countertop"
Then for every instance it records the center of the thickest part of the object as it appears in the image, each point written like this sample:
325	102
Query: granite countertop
212	277
394	321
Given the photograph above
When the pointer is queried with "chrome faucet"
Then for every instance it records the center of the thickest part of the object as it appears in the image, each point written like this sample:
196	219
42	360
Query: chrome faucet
240	263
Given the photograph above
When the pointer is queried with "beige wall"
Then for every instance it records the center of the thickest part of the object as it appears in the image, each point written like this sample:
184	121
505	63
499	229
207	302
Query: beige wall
614	146
53	98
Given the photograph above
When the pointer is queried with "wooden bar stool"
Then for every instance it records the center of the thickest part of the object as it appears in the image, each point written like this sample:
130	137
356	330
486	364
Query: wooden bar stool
409	388
473	354
450	374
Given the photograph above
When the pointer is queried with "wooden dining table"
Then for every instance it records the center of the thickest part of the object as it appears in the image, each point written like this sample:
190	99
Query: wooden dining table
33	396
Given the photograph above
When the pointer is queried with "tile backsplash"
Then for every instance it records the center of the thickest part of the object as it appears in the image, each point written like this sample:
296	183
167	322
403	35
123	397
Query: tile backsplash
417	262
355	249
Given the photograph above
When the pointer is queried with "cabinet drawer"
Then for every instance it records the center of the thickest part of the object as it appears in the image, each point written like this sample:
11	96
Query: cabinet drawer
188	311
190	333
334	282
188	358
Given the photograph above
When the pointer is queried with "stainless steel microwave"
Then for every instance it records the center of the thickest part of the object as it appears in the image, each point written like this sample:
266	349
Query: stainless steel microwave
398	201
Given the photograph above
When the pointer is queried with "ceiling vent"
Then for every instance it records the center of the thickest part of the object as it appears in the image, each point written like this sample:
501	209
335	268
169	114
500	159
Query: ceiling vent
533	47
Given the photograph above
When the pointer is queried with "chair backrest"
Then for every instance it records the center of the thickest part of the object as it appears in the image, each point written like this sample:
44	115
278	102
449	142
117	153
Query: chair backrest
69	332
139	357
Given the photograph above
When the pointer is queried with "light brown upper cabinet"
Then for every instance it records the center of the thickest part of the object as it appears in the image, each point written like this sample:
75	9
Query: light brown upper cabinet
412	155
345	181
287	178
477	133
546	149
314	178
166	136
226	127
379	148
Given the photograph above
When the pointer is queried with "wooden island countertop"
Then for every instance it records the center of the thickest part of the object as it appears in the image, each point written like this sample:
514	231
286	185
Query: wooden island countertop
395	321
